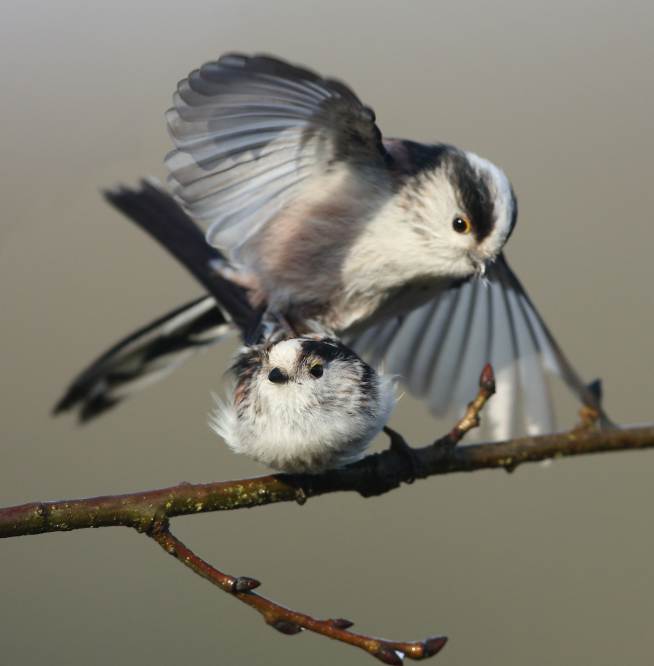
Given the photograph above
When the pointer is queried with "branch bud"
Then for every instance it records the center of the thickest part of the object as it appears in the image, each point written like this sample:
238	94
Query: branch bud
388	656
285	627
244	584
433	645
487	381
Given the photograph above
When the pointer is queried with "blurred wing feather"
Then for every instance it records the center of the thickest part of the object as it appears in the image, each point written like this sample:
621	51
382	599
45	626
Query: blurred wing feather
440	349
251	131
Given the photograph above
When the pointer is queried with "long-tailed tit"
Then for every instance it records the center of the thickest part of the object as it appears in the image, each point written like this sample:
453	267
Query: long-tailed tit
381	240
303	404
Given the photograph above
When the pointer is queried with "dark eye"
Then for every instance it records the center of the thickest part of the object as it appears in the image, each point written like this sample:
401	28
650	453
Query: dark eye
461	225
316	370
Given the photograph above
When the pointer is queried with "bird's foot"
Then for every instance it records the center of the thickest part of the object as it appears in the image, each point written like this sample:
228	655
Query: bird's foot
398	444
286	326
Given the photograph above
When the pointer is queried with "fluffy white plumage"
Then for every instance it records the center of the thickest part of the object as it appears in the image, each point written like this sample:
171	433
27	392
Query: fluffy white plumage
303	405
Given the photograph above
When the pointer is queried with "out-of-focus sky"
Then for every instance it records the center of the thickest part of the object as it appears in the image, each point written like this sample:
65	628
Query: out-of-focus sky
547	566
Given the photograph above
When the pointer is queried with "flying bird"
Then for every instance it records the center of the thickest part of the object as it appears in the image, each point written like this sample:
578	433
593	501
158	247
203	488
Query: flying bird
393	244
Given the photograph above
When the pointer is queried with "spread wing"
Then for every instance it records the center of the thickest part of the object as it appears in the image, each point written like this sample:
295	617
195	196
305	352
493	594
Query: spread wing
252	133
440	349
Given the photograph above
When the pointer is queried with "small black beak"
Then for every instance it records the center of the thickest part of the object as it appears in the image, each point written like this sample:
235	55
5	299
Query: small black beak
276	376
479	265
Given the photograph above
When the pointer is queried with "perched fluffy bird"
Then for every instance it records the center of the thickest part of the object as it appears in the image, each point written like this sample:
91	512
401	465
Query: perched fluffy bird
395	245
303	404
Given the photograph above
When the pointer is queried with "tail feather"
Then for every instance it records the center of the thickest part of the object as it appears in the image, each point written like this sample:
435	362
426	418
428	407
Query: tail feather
144	357
154	210
157	349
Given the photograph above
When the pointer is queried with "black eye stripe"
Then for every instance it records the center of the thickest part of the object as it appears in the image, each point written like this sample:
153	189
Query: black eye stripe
475	194
326	351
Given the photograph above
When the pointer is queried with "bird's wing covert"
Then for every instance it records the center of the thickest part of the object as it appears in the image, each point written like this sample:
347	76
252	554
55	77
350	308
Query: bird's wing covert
252	132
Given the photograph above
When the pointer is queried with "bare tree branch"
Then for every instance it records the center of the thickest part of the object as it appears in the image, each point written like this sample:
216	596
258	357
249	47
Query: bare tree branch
289	621
376	474
373	475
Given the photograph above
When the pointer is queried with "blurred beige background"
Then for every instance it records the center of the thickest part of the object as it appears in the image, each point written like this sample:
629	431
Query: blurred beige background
547	566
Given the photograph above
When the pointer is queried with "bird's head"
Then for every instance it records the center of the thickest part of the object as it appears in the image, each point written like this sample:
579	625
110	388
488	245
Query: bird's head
315	373
469	210
303	404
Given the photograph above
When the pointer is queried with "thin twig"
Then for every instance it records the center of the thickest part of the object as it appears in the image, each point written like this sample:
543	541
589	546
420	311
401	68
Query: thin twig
470	419
289	621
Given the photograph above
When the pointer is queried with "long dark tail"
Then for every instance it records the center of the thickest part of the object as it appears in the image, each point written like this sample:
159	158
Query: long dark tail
157	349
154	210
